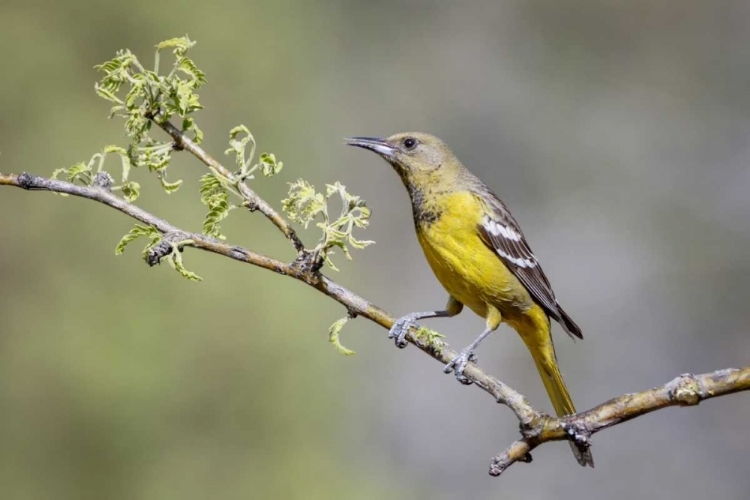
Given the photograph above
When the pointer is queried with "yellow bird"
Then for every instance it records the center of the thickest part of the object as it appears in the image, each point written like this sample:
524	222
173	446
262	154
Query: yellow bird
478	253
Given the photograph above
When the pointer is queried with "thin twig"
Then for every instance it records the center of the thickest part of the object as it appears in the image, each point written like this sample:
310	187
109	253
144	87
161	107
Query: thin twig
253	201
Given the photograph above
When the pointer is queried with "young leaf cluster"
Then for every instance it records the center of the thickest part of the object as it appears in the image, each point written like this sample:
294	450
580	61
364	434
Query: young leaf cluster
140	95
214	195
239	140
215	187
92	172
139	231
144	96
304	205
174	257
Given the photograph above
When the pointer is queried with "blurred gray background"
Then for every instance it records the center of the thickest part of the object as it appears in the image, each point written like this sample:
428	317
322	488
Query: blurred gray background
616	131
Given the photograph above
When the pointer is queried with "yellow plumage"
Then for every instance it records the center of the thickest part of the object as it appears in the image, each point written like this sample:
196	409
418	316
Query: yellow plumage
477	251
474	275
470	272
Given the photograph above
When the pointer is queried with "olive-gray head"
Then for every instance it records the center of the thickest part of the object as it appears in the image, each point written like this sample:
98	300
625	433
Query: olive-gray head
421	160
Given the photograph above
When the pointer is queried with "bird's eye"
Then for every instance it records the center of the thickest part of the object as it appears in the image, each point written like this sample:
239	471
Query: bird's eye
410	143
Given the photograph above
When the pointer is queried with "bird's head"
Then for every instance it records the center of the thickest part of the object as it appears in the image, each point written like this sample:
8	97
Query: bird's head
421	160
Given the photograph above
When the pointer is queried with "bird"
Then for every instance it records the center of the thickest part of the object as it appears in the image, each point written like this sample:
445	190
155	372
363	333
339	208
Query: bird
477	251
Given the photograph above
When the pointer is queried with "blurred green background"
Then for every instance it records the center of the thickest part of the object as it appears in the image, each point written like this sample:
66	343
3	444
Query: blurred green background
618	132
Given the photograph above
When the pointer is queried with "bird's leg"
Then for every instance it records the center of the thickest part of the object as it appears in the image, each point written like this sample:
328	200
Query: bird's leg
402	325
458	364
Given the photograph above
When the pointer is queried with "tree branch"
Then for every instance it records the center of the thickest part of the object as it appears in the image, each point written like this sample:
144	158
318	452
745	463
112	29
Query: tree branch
297	269
252	200
536	427
685	390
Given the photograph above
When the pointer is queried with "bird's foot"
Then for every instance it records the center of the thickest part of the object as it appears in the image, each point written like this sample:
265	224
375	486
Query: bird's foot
458	365
401	327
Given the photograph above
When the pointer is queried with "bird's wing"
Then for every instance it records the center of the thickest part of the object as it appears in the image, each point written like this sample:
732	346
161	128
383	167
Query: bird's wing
500	232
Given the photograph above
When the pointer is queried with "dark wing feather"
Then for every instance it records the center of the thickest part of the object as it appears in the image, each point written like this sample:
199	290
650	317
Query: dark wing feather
500	231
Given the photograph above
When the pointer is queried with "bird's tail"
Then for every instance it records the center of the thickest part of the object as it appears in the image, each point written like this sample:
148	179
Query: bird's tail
568	324
543	351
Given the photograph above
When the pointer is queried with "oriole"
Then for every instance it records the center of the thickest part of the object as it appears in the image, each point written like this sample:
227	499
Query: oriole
479	254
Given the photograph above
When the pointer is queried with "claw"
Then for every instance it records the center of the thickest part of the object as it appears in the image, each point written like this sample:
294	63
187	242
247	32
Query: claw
458	365
399	330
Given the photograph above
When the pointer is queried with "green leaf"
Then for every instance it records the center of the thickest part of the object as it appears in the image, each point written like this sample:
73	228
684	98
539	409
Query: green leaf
137	126
134	96
106	94
327	259
116	111
268	164
189	125
175	260
333	336
214	196
210	185
334	188
79	172
131	191
170	187
303	203
188	67
109	66
180	45
359	244
113	148
135	233
239	138
124	159
116	73
183	98
77	169
156	156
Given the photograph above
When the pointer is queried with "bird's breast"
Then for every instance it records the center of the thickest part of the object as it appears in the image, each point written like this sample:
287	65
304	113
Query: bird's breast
470	271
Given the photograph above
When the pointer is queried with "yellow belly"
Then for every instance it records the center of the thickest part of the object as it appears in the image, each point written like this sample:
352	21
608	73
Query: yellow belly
470	272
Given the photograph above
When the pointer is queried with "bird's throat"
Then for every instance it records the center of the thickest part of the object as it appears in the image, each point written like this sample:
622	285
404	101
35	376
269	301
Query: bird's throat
424	204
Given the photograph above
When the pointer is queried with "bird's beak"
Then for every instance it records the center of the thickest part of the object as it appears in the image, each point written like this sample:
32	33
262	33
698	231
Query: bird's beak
380	146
